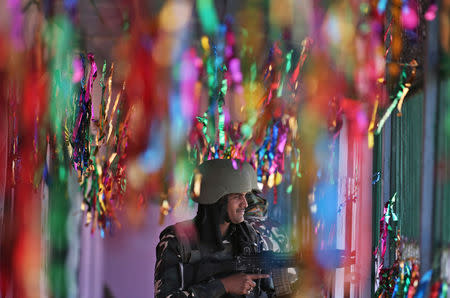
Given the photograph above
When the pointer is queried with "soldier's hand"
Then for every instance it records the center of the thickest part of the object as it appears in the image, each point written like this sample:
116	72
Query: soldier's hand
241	283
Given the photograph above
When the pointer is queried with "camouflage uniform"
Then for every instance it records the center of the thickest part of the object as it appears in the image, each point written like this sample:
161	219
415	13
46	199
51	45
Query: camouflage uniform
274	238
171	255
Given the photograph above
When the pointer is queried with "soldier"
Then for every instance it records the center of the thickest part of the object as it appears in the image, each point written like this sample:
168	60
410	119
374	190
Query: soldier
217	232
275	239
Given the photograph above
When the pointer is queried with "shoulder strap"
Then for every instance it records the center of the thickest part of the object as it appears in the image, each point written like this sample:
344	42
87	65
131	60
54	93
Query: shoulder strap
184	232
184	244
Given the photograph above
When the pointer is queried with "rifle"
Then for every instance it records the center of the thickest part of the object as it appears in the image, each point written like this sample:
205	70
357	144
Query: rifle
202	269
265	261
216	266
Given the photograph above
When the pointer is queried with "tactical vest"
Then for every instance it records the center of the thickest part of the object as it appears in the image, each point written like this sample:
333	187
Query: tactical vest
190	256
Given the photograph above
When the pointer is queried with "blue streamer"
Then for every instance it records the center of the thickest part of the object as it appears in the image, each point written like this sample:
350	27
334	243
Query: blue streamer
424	284
381	7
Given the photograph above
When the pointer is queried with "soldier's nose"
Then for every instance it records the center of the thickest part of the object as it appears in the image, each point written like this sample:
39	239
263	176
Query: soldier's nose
244	203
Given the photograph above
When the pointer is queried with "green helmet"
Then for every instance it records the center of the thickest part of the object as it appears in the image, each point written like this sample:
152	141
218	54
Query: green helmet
216	178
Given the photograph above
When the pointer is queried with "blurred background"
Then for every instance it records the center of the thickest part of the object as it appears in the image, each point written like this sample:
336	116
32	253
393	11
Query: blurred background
342	108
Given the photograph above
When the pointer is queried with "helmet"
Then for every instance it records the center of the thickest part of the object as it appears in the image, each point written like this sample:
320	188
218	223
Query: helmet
216	178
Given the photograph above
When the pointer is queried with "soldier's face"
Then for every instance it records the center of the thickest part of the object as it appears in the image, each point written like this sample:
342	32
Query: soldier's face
236	207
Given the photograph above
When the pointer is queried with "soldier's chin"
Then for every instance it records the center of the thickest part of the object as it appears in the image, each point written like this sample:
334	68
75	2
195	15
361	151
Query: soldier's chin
238	219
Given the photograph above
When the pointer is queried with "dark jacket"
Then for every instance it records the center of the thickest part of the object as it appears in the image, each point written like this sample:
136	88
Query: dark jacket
171	253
